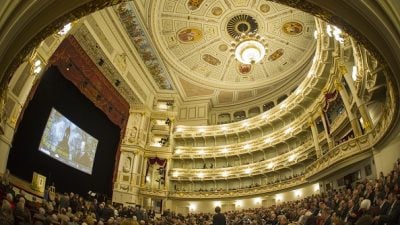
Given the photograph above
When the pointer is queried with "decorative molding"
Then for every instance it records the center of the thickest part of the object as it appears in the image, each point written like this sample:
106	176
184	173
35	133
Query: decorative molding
78	67
53	27
90	46
319	12
139	39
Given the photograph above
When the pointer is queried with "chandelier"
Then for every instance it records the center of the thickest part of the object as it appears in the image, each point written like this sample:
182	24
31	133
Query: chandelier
249	48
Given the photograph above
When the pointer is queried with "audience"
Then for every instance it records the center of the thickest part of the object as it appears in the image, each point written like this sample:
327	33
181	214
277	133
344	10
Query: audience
365	202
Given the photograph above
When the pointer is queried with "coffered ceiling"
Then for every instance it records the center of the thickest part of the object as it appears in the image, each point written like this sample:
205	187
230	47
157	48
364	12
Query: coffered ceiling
186	46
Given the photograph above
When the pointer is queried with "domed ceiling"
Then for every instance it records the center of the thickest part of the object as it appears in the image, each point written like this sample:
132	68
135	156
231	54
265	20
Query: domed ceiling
191	39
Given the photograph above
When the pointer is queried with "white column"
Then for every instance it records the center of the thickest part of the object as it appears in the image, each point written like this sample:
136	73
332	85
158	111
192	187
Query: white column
360	104
327	136
345	99
314	131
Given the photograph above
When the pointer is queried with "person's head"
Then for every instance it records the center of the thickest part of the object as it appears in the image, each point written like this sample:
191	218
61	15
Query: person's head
282	219
350	203
365	204
9	197
391	197
326	212
217	209
42	211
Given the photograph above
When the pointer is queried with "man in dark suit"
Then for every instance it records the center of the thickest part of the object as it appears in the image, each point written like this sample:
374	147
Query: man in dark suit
392	216
352	213
219	218
383	204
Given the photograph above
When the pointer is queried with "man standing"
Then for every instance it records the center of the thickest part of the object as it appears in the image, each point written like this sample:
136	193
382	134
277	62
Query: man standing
219	218
392	216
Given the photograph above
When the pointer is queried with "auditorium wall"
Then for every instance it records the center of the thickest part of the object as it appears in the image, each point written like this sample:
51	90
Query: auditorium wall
208	206
386	157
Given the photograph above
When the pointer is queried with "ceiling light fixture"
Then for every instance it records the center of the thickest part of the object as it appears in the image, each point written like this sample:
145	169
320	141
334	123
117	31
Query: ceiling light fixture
249	48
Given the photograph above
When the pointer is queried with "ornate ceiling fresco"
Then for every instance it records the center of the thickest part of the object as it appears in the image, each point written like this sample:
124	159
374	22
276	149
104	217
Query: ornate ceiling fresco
189	42
143	45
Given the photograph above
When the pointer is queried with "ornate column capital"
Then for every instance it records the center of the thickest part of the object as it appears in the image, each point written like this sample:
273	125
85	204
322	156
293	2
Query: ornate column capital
338	85
342	69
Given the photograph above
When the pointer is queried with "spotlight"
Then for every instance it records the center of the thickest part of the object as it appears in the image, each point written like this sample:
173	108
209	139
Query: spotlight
68	66
101	62
117	83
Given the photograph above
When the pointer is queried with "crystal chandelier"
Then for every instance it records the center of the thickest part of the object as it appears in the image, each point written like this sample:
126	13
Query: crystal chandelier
249	48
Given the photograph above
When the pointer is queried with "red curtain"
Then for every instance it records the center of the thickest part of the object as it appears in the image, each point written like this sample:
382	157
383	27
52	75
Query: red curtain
160	162
329	97
155	160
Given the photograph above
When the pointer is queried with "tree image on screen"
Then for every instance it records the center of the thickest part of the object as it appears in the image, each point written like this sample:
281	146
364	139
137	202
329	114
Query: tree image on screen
68	143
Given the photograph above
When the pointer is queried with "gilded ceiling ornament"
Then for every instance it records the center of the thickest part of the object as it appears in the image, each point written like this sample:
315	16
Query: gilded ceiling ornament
189	35
276	55
338	85
264	8
342	69
89	44
211	59
216	11
223	47
292	28
143	45
194	4
244	68
240	24
120	62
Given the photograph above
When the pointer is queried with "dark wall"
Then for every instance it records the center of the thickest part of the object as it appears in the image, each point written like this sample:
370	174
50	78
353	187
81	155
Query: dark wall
25	158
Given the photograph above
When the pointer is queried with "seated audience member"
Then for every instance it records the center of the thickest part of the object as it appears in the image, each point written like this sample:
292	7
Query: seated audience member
353	205
6	214
282	220
365	220
392	216
10	198
39	218
52	220
21	213
62	216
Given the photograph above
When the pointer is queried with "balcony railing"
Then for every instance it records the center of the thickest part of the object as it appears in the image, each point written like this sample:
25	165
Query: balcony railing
216	194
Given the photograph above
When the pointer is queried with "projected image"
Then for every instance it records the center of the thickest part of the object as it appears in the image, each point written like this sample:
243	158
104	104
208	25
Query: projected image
67	143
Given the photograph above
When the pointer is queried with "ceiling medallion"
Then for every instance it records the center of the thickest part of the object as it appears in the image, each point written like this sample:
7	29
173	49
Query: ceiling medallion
223	47
276	55
249	48
194	4
292	28
244	69
264	8
240	24
217	11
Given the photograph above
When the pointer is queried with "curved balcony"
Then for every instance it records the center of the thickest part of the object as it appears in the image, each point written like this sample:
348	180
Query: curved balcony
345	150
314	82
254	145
300	154
234	193
154	192
274	115
355	146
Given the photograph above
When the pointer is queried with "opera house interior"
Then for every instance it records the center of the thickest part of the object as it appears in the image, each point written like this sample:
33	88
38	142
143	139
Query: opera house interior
185	105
